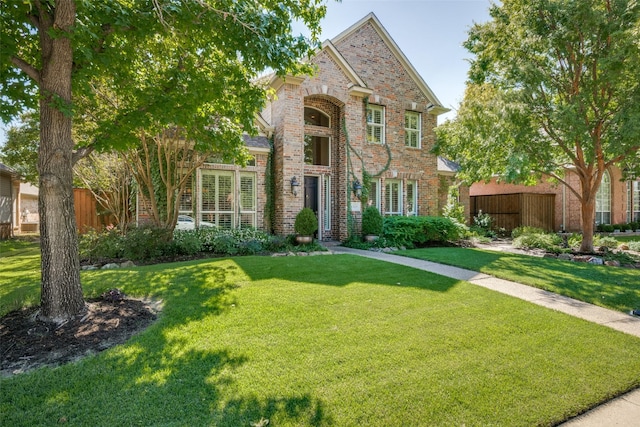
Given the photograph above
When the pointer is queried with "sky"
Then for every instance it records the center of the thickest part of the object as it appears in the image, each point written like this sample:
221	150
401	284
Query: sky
430	33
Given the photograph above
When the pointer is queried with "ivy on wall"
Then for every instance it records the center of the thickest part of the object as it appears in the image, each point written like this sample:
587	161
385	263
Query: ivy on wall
270	189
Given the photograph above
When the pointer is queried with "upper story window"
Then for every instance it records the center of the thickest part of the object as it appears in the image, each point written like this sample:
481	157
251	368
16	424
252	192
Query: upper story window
412	129
375	124
317	150
603	200
315	117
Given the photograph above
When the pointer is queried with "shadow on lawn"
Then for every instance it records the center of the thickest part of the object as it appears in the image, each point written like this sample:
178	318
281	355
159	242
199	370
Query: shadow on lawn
163	376
341	270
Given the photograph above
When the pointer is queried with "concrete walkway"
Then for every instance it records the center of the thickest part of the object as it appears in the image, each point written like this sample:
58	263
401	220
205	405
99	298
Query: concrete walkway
622	411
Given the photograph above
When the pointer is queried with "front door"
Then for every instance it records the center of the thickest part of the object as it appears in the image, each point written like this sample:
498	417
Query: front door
311	189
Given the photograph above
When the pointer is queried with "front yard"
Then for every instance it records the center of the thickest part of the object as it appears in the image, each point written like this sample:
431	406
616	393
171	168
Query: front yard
611	287
332	340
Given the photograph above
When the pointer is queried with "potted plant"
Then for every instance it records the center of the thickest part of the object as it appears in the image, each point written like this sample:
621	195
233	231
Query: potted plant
305	225
371	223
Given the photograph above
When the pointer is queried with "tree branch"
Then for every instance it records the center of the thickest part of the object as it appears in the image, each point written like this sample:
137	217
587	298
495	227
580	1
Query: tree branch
28	69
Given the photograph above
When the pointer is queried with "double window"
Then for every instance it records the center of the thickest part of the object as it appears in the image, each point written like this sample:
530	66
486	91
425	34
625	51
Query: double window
375	124
412	129
399	200
228	198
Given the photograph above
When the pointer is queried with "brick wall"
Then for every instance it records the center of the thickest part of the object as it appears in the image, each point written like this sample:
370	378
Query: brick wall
329	91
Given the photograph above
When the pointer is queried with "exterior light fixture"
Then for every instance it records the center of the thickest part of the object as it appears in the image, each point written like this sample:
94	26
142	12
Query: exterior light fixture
294	186
357	188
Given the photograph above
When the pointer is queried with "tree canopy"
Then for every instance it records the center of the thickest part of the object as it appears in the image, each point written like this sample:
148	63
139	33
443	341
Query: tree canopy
116	70
553	86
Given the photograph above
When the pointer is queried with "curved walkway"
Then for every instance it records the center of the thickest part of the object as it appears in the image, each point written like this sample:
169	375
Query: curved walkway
622	411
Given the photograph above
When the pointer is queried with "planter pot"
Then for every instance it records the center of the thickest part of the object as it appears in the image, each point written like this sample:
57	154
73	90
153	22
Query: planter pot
304	239
370	238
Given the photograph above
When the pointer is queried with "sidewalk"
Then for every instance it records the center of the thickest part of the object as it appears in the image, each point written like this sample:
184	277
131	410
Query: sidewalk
622	411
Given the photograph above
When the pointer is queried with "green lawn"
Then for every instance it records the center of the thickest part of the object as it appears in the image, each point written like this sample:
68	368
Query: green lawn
325	341
627	238
615	288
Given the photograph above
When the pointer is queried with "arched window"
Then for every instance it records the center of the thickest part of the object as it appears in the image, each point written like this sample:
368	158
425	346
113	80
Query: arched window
316	118
603	200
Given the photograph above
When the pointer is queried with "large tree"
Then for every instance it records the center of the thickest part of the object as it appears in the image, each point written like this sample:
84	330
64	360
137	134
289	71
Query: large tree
553	87
186	63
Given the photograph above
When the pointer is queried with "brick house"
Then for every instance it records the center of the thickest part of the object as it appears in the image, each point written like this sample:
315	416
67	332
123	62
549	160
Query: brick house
617	201
365	117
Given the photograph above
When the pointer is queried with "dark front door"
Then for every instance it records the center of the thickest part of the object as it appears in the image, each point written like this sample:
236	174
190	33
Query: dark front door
311	193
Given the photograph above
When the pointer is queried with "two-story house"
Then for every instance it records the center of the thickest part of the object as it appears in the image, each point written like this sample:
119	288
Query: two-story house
366	117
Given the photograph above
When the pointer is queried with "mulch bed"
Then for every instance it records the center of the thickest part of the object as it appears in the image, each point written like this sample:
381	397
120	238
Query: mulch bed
27	343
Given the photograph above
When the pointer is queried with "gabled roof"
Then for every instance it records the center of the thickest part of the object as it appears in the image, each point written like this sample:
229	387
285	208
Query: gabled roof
384	35
356	83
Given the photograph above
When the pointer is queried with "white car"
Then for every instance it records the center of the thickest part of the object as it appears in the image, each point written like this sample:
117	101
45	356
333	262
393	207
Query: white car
185	222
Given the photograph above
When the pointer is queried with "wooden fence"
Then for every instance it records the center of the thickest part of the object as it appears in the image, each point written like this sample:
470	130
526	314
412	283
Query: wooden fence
509	211
86	210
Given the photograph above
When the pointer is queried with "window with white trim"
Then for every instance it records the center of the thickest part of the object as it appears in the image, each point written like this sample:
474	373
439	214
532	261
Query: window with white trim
186	202
412	129
603	200
633	201
216	200
375	124
393	197
412	198
248	203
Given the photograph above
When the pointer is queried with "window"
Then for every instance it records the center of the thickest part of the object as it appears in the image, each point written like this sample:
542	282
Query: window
374	194
216	204
393	197
375	124
316	150
412	129
412	198
316	117
326	217
185	204
603	200
248	200
633	201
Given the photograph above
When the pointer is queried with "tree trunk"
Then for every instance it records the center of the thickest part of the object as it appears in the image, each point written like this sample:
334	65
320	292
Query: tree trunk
588	205
61	289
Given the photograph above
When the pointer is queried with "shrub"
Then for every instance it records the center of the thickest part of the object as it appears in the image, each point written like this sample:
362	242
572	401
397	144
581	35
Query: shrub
634	246
634	225
372	221
606	241
548	242
621	227
526	229
187	242
94	245
574	240
306	222
143	243
607	228
275	244
418	230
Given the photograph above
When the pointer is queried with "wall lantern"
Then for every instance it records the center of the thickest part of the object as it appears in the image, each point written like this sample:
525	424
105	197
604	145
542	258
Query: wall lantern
294	186
357	188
